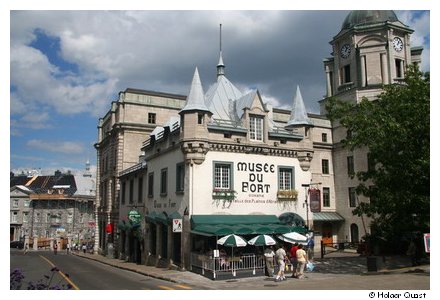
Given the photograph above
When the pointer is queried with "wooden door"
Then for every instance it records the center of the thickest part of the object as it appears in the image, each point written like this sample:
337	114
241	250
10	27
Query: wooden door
327	234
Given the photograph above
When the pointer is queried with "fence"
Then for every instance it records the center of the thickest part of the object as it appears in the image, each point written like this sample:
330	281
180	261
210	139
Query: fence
327	248
226	267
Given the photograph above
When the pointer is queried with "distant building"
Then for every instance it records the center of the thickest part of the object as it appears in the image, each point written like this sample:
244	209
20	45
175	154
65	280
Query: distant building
53	207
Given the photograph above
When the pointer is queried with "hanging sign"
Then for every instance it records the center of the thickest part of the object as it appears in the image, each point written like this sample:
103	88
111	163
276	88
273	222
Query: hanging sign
177	225
315	200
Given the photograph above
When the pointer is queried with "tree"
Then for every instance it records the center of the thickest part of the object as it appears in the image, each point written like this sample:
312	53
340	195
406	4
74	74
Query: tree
395	129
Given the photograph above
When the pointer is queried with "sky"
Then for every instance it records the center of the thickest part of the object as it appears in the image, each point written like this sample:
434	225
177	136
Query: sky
67	66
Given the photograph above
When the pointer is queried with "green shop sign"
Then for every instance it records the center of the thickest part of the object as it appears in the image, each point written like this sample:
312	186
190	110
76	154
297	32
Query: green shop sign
134	216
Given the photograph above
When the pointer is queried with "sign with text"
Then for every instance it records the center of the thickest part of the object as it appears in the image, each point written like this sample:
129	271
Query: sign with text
177	225
134	216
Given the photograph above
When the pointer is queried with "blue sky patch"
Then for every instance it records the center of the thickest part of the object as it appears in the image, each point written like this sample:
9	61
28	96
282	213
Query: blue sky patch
51	48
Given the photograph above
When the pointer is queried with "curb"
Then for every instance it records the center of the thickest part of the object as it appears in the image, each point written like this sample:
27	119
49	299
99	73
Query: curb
127	268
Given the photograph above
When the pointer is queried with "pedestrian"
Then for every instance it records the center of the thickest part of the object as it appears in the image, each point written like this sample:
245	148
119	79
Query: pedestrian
293	260
55	247
269	255
281	258
301	257
25	248
310	247
84	248
68	248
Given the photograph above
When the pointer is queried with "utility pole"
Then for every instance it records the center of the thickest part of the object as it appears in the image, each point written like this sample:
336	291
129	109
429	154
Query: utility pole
306	185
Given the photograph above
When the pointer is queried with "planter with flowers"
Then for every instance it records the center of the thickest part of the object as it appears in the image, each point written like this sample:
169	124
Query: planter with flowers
287	195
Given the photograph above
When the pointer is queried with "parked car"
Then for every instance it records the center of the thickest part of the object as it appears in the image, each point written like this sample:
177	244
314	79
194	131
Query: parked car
17	244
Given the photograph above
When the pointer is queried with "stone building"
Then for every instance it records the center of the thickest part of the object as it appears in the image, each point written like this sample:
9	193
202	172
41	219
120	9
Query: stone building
224	161
59	206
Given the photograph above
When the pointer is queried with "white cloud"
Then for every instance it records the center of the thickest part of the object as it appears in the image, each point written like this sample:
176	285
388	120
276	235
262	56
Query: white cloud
67	147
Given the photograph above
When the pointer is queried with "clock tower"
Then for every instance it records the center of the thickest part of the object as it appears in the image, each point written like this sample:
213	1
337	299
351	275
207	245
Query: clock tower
371	49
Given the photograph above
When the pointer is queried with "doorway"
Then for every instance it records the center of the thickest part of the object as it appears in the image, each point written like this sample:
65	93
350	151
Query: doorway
327	233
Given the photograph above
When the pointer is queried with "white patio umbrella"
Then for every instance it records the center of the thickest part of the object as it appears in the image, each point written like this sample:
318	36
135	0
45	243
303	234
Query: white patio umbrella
293	237
232	240
262	240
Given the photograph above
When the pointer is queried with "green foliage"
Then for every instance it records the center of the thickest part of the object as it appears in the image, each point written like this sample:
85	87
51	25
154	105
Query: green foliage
395	130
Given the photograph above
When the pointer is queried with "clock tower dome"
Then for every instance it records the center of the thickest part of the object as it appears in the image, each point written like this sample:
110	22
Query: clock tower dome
371	49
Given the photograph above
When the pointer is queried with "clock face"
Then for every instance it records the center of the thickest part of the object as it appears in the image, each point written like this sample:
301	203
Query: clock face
345	51
397	44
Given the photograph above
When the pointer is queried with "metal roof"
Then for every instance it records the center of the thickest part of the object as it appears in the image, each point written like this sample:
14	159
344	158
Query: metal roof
299	113
195	99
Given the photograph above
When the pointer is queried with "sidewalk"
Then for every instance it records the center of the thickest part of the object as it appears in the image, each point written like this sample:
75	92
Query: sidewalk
337	264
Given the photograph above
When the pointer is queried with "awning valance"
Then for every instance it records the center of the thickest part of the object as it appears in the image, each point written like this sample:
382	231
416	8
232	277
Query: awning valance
219	225
162	217
327	216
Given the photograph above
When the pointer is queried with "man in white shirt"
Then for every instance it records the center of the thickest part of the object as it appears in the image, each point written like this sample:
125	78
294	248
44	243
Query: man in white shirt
281	257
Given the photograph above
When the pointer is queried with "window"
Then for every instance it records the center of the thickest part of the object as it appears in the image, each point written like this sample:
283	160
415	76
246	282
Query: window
256	128
346	78
163	181
15	204
350	165
140	189
25	217
222	176
180	177
326	197
70	217
130	196
285	178
26	203
150	184
123	193
352	196
151	118
14	217
399	68
200	118
325	166
324	137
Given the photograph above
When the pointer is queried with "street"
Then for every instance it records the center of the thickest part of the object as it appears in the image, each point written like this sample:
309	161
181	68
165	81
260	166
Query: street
83	273
95	272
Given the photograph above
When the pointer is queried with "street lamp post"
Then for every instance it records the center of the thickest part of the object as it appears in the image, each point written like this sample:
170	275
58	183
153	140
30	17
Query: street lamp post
306	185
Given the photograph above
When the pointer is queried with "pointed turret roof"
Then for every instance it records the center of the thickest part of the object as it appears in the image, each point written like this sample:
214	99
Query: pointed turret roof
195	99
299	113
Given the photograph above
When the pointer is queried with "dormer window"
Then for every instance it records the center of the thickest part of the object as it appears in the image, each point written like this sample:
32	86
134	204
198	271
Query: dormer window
256	128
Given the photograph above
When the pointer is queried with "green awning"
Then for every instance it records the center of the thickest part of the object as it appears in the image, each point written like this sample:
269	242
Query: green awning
327	216
154	217
219	225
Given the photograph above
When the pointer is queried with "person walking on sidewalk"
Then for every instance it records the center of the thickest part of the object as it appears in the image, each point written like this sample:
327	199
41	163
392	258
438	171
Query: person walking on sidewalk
281	258
84	248
301	257
55	247
293	259
269	255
